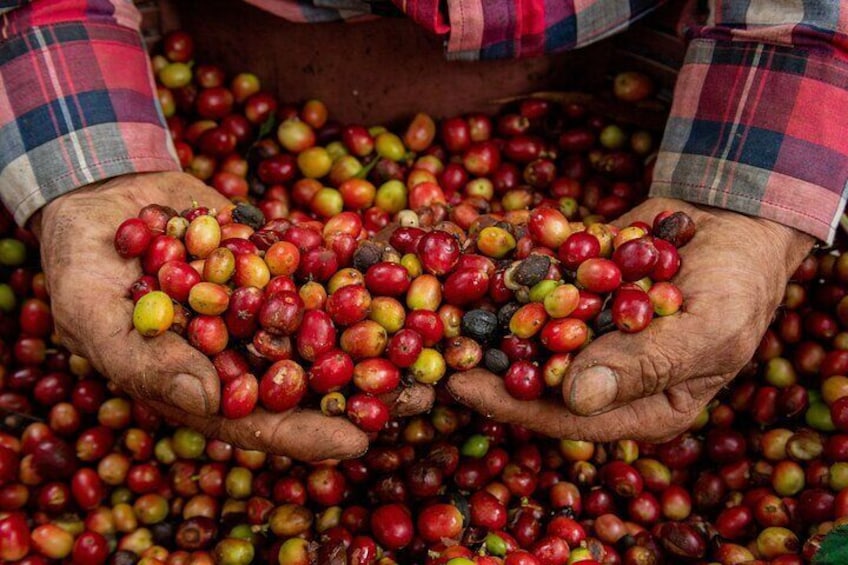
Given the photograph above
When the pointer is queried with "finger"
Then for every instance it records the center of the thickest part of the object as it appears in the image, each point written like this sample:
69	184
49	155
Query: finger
185	193
618	368
303	434
385	234
177	190
410	400
647	211
727	308
164	368
654	418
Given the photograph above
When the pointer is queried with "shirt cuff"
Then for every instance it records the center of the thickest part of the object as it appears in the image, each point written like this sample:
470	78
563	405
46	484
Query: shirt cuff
759	129
77	106
509	29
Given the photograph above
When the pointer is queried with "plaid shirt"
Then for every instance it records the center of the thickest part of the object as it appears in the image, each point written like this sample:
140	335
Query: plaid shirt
758	123
77	100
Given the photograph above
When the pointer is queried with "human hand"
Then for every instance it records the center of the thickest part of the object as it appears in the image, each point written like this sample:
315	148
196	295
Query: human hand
653	384
88	283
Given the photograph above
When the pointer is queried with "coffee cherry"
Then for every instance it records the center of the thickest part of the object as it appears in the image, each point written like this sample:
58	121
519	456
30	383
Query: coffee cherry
331	371
632	309
480	325
598	275
429	367
153	314
677	228
367	412
282	386
132	238
524	381
636	258
439	252
495	242
239	396
404	348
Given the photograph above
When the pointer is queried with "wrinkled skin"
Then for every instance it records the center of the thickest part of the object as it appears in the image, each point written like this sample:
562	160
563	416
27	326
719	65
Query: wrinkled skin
733	276
88	284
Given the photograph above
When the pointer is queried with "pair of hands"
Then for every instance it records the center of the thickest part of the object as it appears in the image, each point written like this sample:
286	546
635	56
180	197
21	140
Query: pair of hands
647	386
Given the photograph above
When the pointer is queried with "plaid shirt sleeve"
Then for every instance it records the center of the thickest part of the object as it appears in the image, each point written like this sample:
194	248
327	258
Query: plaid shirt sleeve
317	11
759	122
77	100
485	29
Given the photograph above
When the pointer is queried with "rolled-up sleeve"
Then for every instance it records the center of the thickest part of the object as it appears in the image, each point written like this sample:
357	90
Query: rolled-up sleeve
501	29
759	122
77	101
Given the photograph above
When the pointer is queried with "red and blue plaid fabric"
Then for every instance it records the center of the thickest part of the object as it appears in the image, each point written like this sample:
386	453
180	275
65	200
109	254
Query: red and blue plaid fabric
757	125
487	29
316	11
77	100
759	129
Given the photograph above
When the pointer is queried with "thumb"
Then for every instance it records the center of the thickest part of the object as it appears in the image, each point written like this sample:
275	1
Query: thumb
409	400
163	369
652	418
176	374
619	368
306	435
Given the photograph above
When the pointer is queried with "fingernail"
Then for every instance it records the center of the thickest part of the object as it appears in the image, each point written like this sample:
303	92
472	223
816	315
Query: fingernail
189	394
362	451
592	390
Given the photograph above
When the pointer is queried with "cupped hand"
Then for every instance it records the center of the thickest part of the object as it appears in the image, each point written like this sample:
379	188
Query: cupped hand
88	284
653	384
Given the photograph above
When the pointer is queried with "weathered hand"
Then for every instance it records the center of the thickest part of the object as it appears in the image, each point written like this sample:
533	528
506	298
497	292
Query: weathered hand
88	284
653	384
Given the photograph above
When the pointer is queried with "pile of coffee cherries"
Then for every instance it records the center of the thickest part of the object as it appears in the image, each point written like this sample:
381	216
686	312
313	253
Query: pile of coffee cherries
89	475
498	252
279	300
